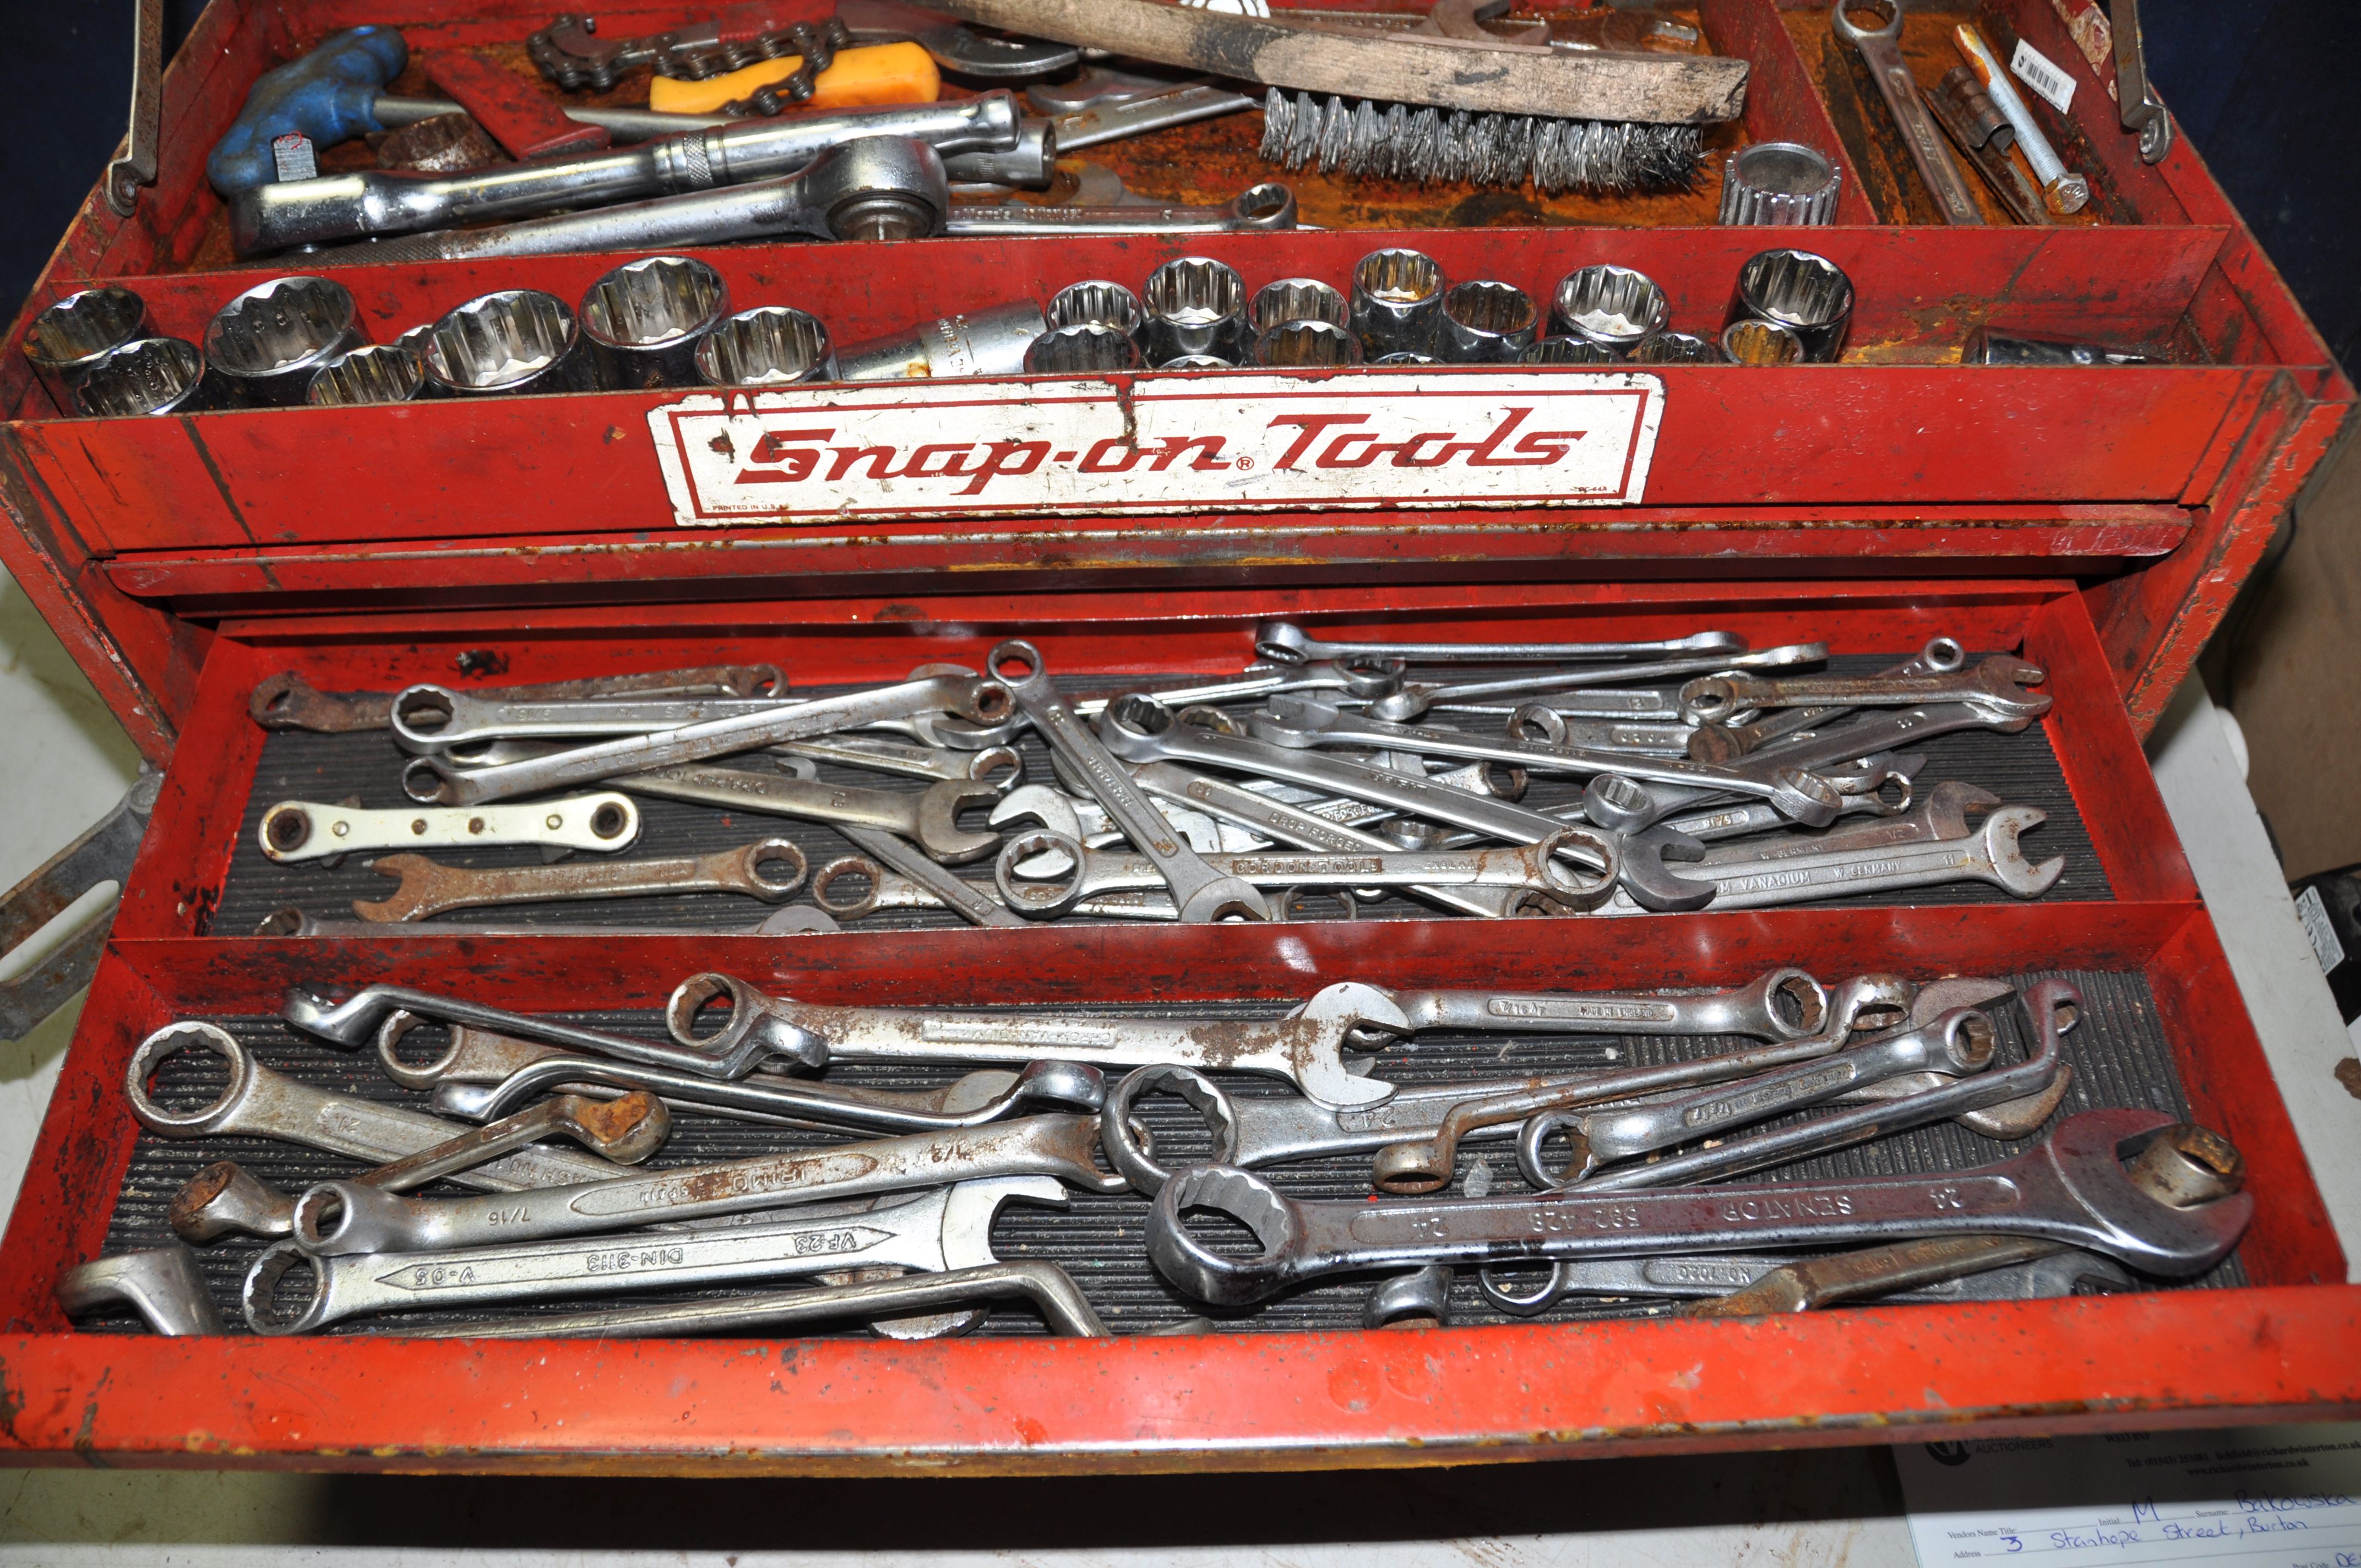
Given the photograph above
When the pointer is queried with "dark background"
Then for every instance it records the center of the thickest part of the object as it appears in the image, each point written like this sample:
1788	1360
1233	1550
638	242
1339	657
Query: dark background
2257	86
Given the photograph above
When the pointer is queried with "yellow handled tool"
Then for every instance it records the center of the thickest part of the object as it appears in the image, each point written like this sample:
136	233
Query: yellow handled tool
858	78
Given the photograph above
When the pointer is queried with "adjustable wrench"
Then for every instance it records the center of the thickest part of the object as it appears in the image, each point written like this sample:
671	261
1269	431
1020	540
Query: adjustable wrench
1996	686
296	830
1414	699
2072	1188
934	688
948	1228
1256	210
1307	1045
1201	893
430	888
1990	853
1880	50
931	817
339	1218
1284	643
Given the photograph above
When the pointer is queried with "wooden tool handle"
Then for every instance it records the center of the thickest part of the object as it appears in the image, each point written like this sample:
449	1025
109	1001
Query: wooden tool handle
1662	89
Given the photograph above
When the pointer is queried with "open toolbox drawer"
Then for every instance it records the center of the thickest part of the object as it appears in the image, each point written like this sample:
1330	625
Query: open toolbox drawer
2155	487
2273	1333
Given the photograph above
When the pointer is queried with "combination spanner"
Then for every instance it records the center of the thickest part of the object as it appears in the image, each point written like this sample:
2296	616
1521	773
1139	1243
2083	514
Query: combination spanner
1996	686
2044	1271
1258	209
2072	1188
298	831
429	720
1413	700
287	701
929	816
1990	853
950	1227
428	887
1282	642
1941	814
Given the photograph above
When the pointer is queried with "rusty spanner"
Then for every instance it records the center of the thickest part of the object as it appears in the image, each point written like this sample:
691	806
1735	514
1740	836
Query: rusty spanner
430	888
1880	50
287	701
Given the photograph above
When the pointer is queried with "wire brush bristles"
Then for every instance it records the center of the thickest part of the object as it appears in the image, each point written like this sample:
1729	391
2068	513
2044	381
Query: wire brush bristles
1394	141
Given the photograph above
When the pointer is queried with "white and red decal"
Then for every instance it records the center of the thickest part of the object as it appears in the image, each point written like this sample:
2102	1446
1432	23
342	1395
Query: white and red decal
1219	442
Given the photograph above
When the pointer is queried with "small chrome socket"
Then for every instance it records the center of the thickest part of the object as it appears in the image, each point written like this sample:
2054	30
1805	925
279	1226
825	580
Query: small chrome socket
1779	184
516	341
149	376
1752	342
772	345
990	342
1568	351
72	335
1405	357
1195	306
1808	294
1296	299
1097	303
1307	345
643	320
266	344
1679	348
1397	304
1614	307
1487	323
1197	362
1083	349
377	373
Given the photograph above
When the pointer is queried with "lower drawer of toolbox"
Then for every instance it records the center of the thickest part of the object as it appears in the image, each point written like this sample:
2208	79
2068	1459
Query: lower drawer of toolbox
1297	1383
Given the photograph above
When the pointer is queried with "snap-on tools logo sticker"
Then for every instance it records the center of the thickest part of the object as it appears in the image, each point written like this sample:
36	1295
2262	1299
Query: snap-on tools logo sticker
1240	443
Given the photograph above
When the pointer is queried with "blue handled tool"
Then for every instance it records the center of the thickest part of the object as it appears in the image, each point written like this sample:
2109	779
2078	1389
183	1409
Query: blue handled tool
328	96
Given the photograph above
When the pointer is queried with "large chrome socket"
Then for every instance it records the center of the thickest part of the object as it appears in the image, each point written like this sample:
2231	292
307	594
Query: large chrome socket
1296	300
774	345
72	335
516	341
1779	184
980	342
1568	351
1808	294
266	345
1486	322
149	376
1679	348
643	320
1097	303
381	373
1085	348
1197	307
1397	304
1307	345
1614	307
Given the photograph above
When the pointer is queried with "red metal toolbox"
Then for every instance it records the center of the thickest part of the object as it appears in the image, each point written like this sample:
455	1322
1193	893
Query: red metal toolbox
2279	1340
2101	519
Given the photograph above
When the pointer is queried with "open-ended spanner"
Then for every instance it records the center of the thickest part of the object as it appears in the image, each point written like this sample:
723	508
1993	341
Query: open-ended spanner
1258	209
224	1199
1989	853
376	1015
1306	1046
1881	51
948	1228
428	887
338	1218
1942	813
296	830
1283	642
928	816
1995	685
287	701
258	1103
2072	1188
1257	1130
1201	893
936	690
1560	867
1413	700
1140	729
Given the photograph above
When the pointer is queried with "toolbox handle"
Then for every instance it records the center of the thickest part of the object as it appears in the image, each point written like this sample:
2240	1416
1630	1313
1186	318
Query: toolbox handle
103	854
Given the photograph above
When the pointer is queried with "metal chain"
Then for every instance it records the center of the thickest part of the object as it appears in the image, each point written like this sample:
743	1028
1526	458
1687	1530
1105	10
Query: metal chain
575	70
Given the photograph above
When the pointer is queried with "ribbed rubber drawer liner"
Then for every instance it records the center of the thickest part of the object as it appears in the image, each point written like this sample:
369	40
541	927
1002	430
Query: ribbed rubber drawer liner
2019	768
2118	1056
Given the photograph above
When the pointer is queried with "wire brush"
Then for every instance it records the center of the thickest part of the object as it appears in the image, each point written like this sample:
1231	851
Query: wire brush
1395	141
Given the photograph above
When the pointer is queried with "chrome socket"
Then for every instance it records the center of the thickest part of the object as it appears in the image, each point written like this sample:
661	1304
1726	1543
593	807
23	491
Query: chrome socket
1487	323
1397	304
1196	362
1296	300
266	344
1196	306
1567	351
516	341
1097	303
1307	345
1808	294
1614	307
1083	349
1679	348
1779	184
643	320
1406	358
1761	343
382	373
984	343
772	345
149	376
1986	346
72	337
1032	162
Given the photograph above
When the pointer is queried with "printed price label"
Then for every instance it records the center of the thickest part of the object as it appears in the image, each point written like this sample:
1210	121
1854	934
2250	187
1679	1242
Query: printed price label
1225	443
2313	910
2045	76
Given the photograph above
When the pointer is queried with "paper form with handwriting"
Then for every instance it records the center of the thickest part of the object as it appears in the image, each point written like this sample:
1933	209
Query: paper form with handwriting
2245	1498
